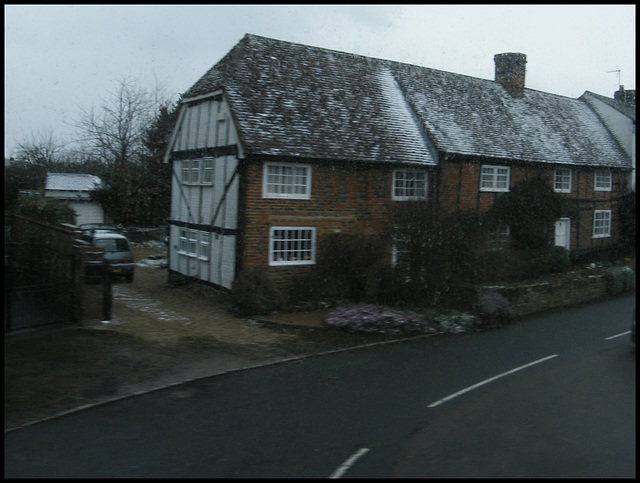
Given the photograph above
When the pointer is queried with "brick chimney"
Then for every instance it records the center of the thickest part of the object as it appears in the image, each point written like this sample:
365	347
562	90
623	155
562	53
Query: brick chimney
510	72
628	97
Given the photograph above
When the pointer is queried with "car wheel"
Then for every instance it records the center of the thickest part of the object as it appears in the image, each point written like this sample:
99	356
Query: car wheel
130	277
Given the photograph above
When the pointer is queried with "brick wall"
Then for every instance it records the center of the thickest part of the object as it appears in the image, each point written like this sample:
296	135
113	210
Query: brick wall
356	198
344	198
460	190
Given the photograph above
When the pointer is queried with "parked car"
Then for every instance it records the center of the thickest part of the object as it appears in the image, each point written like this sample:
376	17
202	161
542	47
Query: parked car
117	252
89	228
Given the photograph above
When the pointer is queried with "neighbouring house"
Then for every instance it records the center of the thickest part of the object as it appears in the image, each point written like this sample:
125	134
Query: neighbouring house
281	143
619	115
75	190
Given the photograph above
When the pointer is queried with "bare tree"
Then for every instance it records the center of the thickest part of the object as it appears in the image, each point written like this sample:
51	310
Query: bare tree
114	133
41	150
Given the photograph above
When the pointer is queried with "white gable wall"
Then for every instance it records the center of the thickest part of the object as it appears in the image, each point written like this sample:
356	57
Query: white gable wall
87	212
623	129
204	207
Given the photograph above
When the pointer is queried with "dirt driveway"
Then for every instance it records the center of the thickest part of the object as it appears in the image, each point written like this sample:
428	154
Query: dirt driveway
159	335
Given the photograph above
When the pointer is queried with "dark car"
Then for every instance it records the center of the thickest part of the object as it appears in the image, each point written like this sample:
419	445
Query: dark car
89	228
117	252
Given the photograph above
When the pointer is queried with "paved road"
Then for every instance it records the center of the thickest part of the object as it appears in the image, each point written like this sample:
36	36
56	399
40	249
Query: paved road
550	396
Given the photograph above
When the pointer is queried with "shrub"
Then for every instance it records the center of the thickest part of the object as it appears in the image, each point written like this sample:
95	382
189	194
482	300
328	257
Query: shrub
377	319
457	323
347	266
254	292
530	209
494	308
542	261
620	281
50	210
628	222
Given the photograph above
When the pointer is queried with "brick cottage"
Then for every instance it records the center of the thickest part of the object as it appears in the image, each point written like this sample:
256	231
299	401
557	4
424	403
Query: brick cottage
281	143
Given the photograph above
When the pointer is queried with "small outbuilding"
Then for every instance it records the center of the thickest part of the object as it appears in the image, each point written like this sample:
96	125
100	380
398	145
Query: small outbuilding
75	189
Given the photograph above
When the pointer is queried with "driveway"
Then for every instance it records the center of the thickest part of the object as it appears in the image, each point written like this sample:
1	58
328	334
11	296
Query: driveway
159	335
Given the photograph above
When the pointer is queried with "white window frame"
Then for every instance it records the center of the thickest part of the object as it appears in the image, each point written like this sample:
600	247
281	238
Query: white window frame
601	223
602	180
291	249
188	242
562	180
492	177
198	171
204	245
182	240
207	166
186	171
283	180
191	171
407	186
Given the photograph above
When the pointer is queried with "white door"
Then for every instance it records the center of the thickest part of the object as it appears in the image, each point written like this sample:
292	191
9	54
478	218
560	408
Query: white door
563	230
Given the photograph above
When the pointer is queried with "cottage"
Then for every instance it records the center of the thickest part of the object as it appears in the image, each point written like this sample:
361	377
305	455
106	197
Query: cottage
75	189
619	115
280	143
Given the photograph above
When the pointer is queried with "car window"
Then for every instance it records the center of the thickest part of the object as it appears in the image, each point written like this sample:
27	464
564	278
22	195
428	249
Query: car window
113	244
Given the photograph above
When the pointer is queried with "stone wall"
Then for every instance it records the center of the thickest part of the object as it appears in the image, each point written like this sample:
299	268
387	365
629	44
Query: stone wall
555	292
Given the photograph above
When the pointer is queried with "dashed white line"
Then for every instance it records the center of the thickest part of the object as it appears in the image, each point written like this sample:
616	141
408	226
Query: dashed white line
349	463
487	381
617	335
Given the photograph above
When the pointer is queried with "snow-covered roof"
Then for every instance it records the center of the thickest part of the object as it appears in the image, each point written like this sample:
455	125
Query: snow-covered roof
622	107
294	100
71	182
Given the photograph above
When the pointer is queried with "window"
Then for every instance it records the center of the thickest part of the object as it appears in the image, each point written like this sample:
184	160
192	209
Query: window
203	249
292	246
498	238
183	245
287	181
603	180
562	182
192	241
190	171
409	184
602	223
197	171
494	178
188	241
207	171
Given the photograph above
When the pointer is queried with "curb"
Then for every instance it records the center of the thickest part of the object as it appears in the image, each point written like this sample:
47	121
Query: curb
85	407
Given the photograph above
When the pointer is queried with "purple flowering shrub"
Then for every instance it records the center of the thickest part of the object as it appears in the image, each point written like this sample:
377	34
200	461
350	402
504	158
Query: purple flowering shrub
377	319
494	308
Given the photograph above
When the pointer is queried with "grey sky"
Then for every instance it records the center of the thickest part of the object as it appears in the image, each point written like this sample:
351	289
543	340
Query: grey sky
59	59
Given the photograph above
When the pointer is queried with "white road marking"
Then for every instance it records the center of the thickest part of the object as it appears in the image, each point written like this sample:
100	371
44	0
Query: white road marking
617	335
491	379
349	463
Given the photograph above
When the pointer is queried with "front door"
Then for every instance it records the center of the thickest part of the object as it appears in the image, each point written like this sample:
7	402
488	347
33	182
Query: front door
563	230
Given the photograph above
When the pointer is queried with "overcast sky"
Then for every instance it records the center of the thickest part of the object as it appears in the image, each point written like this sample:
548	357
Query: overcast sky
59	59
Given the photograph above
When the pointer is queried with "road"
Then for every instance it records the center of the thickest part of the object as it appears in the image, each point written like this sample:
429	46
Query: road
548	396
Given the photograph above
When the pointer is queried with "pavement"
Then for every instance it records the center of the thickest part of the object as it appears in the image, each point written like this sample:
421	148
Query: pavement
159	336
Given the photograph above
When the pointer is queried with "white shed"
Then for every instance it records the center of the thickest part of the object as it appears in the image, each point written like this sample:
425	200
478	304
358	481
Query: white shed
75	190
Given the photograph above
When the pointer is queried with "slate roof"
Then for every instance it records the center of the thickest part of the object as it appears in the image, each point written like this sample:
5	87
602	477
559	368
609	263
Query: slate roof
622	107
294	100
71	182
